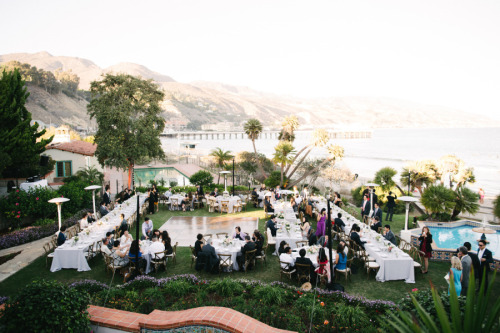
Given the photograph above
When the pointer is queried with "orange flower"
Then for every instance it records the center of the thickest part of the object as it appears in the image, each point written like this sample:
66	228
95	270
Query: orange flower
322	303
326	322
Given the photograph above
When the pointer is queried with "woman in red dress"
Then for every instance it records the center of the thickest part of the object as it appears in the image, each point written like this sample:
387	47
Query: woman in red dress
425	246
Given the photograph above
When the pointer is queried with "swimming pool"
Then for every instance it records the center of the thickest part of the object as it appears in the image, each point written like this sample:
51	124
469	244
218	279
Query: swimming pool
452	238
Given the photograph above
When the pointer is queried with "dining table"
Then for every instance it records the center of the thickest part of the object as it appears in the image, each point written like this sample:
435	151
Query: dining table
231	202
229	246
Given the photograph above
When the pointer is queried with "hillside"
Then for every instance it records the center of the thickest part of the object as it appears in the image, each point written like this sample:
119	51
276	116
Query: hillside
210	102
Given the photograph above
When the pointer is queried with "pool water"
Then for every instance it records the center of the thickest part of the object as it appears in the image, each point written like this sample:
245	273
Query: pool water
452	238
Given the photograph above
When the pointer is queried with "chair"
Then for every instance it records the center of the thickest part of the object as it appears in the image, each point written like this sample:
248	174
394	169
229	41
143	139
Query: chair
193	255
48	255
174	204
303	272
110	265
301	243
416	255
370	266
222	235
225	262
267	214
286	270
91	253
212	205
249	259
54	241
323	277
262	256
237	207
98	246
159	260
346	272
173	255
270	239
224	206
206	237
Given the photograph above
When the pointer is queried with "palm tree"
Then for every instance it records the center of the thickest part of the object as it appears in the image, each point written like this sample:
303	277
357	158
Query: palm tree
283	155
253	128
438	199
383	177
289	125
465	201
221	157
419	174
91	175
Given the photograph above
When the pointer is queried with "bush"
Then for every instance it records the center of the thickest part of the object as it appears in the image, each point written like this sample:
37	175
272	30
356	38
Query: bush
33	203
438	200
496	207
274	179
46	306
43	222
202	178
79	197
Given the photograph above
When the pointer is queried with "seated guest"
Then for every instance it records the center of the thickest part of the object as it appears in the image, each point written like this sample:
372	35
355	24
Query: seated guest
305	226
147	228
214	193
302	260
238	234
323	241
156	247
105	246
126	238
355	236
376	224
339	224
84	223
338	200
262	187
119	258
123	224
286	256
167	242
103	209
281	248
255	198
126	195
213	259
259	241
168	194
90	218
323	261
340	258
156	233
294	205
313	239
344	246
198	245
249	246
109	236
267	205
132	254
389	235
271	224
61	238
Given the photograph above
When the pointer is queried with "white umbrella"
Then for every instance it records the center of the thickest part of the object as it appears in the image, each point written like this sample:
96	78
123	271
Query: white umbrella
93	188
58	202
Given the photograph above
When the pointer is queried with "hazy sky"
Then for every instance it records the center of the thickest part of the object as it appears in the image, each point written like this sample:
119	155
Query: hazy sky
428	51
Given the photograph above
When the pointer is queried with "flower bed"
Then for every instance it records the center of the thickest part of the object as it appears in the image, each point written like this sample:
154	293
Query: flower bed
275	304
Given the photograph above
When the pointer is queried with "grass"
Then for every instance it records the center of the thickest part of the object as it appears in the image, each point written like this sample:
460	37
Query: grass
360	284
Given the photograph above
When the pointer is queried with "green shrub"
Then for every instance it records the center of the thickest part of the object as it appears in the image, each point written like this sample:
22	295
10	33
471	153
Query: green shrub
46	306
202	178
225	287
272	295
274	179
179	288
41	222
79	197
350	318
357	196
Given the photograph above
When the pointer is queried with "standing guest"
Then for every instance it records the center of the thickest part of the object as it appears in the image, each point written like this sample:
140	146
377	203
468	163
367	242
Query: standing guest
286	256
198	245
425	246
147	228
238	234
90	218
123	224
303	260
305	226
466	267
167	242
61	238
156	198
156	247
323	263
271	224
106	198
339	223
255	198
377	212
168	194
103	210
259	241
295	191
281	248
485	258
376	224
267	204
320	227
305	193
105	246
126	238
84	222
119	257
476	264
389	235
151	201
200	194
365	207
456	275
391	204
481	196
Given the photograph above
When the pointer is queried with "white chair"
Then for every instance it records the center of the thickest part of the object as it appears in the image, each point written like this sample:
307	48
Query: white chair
270	239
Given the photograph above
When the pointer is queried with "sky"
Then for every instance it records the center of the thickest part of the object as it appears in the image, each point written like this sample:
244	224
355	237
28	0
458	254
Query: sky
436	52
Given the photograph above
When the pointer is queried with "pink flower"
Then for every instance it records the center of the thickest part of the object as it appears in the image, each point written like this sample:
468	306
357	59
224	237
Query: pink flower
414	290
17	191
17	216
17	203
37	198
19	212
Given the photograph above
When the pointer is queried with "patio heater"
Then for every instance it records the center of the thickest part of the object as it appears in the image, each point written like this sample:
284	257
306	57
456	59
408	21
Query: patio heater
233	176
59	202
225	173
93	188
406	234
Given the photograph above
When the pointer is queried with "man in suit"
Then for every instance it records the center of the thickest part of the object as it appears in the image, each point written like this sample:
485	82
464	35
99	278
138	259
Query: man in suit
255	198
389	235
90	218
302	260
249	246
323	241
200	194
271	224
107	196
485	258
339	224
365	207
466	267
213	259
267	204
103	210
391	203
377	212
476	264
376	224
214	193
61	238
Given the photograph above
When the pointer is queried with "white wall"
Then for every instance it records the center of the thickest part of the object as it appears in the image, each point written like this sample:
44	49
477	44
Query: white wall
78	161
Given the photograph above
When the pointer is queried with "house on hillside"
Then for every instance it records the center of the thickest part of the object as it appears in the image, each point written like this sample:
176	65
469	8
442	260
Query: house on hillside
76	155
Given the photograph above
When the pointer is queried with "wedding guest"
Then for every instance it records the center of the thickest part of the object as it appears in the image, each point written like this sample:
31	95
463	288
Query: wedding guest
339	223
126	238
103	210
198	245
267	204
105	246
106	198
476	264
340	258
456	275
156	247
466	261
123	224
84	223
305	226
213	259
391	204
238	234
389	235
323	263
138	259
111	240
377	212
214	193
167	242
365	207
119	258
61	238
281	248
376	224
271	224
286	256
355	236
294	205
258	238
303	260
485	258
425	246
147	228
90	218
320	227
337	200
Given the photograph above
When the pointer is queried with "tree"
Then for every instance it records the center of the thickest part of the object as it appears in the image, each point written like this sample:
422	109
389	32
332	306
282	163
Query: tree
452	169
91	175
202	178
420	174
496	207
283	154
289	125
384	176
19	149
438	199
127	111
253	128
221	157
465	202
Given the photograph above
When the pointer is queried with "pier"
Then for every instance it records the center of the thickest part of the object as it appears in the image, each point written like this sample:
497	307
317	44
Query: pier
206	135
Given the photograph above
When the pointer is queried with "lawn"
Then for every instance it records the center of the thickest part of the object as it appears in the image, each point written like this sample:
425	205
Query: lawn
360	284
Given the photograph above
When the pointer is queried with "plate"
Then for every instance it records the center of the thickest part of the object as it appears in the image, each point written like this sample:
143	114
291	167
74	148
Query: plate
383	255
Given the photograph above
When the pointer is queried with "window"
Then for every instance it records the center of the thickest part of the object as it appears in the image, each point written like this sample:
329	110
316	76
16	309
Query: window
63	169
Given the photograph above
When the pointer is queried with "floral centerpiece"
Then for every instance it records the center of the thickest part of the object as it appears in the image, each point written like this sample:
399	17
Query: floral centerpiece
287	226
227	241
99	223
389	247
377	238
75	240
313	249
87	231
281	216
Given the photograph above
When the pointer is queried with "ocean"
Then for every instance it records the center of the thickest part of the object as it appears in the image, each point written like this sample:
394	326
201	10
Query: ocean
477	147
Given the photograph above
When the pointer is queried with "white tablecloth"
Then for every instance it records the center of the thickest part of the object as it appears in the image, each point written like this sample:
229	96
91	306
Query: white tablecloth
231	202
26	186
71	255
233	250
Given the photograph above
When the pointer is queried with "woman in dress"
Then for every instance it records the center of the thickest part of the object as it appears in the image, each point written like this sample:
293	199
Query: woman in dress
425	246
165	238
320	228
119	258
151	201
323	263
294	205
282	247
132	253
338	200
456	275
340	258
305	226
198	245
259	241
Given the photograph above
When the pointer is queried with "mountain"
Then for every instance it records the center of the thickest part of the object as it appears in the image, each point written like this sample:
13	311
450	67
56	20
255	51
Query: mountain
202	102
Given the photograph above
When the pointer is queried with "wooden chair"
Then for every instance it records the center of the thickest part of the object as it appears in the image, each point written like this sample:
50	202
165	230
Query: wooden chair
224	206
346	272
91	252
110	264
98	246
262	256
212	204
193	255
237	207
159	259
48	254
303	272
249	259
174	203
173	255
267	214
370	266
53	241
206	237
225	262
270	239
417	255
222	235
286	270
323	277
301	243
